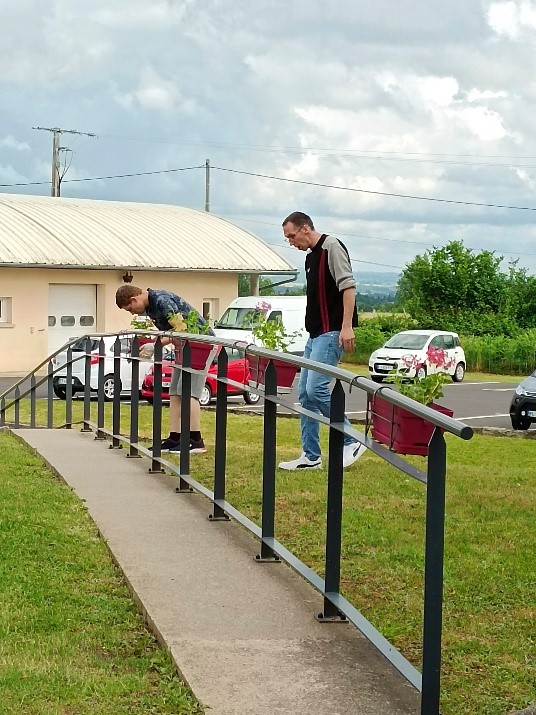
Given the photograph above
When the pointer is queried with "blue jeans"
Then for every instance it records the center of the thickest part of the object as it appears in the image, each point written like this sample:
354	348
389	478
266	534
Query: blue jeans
314	391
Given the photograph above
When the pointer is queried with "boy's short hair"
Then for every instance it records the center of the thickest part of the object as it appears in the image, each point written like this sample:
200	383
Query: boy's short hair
124	293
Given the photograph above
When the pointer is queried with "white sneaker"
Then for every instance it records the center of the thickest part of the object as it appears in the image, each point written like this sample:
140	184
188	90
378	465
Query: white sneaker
301	463
352	452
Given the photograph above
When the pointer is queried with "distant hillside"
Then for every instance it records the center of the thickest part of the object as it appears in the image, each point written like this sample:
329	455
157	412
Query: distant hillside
368	282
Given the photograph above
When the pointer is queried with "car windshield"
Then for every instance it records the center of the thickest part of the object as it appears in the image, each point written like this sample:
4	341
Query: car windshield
238	318
405	341
80	345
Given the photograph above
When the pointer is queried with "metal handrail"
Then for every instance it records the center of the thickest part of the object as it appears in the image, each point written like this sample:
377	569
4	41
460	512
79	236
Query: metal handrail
336	607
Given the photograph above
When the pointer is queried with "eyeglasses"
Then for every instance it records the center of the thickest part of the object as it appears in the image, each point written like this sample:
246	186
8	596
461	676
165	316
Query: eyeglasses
293	236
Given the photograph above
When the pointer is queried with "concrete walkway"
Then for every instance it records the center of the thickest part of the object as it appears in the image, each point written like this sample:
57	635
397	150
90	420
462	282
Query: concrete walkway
243	634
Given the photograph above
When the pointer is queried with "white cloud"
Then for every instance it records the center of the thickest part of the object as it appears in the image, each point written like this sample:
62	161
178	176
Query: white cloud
511	17
156	93
395	102
10	142
475	95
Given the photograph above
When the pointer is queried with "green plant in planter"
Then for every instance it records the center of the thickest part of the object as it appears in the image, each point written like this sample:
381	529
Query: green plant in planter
142	322
189	324
271	333
429	388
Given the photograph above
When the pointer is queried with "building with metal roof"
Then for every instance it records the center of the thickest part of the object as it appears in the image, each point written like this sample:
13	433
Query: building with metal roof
80	233
61	261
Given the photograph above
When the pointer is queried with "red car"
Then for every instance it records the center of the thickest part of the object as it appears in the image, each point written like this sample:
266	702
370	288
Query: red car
237	370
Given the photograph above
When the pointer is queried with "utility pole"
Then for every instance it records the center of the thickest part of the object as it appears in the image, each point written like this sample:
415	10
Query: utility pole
207	185
57	132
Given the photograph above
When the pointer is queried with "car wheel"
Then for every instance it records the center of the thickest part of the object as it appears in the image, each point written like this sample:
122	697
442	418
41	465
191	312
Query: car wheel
376	378
60	392
459	372
149	400
420	373
206	396
250	398
520	424
108	388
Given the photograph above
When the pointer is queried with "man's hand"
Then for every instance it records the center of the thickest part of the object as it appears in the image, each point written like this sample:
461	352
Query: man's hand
347	339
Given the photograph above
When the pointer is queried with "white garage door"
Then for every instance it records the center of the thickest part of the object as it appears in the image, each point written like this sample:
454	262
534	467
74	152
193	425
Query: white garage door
72	311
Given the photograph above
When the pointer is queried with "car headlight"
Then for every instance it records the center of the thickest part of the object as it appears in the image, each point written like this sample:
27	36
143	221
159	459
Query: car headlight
520	391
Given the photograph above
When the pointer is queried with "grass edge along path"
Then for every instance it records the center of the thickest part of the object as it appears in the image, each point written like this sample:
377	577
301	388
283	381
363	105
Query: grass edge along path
71	638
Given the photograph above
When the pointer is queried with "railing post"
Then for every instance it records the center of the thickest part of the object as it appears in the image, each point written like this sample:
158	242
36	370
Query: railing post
32	400
50	396
134	398
116	402
220	451
186	396
334	507
268	464
87	387
69	390
433	574
17	406
100	392
157	408
3	412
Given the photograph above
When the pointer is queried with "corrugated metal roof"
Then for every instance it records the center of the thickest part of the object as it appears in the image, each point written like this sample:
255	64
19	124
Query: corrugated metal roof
56	232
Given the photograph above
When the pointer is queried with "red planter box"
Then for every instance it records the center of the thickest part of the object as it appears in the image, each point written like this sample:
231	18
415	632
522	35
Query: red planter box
285	373
400	430
199	354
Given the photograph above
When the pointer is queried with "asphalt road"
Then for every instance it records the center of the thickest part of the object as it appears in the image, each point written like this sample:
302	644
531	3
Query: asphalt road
479	404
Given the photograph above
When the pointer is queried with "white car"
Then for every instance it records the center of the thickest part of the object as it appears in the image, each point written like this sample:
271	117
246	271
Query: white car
409	352
60	377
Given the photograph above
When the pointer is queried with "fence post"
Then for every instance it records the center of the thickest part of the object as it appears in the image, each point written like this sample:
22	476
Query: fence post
100	392
334	507
186	411
268	464
116	402
433	574
87	387
156	468
134	398
220	451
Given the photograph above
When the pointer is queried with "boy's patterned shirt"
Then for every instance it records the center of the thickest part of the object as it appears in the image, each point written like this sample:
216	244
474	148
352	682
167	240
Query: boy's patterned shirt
163	303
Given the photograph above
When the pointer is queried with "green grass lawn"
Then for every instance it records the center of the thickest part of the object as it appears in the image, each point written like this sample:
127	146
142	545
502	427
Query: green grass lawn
490	608
71	639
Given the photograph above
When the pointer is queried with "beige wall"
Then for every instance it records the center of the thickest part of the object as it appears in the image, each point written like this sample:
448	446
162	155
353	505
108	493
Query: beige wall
24	342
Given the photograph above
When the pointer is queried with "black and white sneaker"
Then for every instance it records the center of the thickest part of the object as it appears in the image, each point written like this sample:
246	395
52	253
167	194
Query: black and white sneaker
302	462
352	452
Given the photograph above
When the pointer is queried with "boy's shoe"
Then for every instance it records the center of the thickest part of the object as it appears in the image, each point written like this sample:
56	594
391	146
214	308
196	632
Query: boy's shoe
170	444
196	447
166	444
301	463
352	452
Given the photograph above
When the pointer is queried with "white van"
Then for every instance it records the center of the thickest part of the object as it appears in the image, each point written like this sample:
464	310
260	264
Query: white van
235	321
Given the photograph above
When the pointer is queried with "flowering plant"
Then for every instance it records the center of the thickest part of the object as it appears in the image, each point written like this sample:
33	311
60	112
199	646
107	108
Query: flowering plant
428	388
190	324
271	333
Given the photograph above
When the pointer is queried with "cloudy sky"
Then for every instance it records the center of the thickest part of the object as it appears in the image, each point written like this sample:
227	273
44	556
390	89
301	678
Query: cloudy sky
368	99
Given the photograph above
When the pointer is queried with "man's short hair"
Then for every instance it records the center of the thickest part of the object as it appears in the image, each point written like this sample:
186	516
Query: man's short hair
124	293
299	219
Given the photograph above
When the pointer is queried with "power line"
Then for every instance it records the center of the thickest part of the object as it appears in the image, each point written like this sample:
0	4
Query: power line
381	154
101	178
376	193
292	181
